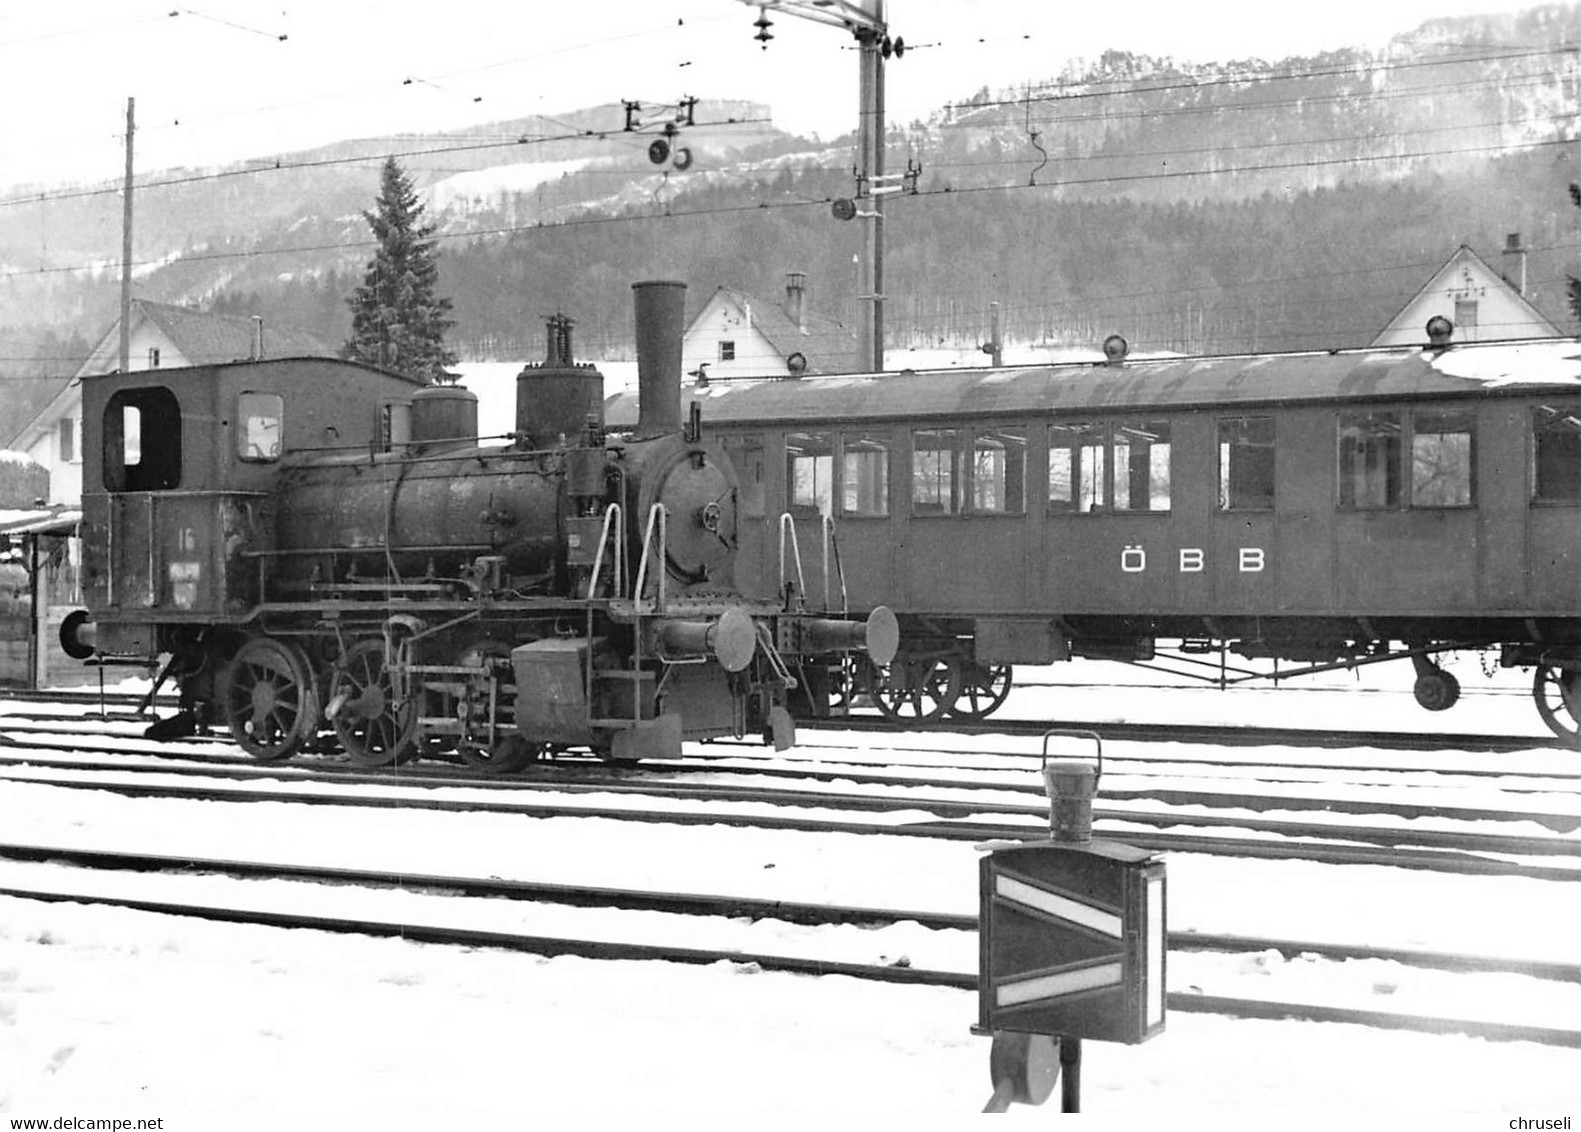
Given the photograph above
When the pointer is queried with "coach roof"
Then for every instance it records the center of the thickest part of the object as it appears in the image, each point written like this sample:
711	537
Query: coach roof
1243	380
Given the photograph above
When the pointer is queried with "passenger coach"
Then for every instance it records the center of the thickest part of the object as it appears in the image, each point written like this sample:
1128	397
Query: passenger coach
1326	509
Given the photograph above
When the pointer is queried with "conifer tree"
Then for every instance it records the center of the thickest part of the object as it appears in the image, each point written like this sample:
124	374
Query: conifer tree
397	320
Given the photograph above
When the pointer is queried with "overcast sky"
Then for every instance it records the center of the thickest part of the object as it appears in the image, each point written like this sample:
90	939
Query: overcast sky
215	83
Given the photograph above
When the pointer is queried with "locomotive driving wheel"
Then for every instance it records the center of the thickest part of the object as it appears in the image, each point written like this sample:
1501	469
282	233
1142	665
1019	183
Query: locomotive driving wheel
983	688
919	689
269	698
375	727
1558	695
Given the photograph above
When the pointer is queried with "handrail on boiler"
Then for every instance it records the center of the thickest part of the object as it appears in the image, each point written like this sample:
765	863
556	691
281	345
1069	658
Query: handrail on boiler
612	515
830	542
789	524
657	516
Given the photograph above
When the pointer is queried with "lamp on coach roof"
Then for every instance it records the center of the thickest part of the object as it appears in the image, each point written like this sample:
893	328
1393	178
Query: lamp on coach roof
1439	332
1115	348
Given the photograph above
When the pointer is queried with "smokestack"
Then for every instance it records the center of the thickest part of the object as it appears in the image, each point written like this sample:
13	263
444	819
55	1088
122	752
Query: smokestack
796	296
257	338
660	317
1515	263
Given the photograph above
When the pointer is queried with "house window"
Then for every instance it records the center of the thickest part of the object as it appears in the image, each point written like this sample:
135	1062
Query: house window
130	415
727	351
153	357
68	441
1465	315
258	426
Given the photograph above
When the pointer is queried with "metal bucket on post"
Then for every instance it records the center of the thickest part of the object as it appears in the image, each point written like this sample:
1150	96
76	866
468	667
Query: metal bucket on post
1071	785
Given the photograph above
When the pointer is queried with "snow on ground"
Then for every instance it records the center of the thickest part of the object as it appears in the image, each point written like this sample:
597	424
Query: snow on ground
107	1012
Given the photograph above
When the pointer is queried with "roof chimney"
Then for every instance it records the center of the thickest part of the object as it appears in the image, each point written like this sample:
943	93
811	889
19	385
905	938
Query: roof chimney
257	354
1515	263
795	297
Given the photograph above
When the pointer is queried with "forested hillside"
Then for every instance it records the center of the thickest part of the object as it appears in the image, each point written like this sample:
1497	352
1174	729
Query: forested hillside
1203	207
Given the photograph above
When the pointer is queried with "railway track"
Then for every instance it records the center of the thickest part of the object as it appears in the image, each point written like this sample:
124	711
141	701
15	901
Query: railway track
1239	735
952	819
86	863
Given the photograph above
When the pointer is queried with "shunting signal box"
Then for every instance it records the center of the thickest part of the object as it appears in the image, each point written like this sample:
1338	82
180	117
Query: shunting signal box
1073	941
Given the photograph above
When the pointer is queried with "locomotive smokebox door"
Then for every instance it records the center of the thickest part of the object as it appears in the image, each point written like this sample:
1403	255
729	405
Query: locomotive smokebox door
1073	941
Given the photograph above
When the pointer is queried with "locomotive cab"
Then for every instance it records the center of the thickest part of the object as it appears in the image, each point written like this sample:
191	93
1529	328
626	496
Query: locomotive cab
179	471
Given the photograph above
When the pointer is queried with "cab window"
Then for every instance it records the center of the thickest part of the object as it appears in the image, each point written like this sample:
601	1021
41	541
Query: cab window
258	426
142	440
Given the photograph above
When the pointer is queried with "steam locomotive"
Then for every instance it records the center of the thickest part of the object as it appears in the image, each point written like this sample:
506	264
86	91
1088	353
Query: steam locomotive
309	546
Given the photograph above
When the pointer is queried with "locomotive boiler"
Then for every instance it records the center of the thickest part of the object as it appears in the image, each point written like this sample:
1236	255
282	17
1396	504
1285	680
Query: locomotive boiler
310	546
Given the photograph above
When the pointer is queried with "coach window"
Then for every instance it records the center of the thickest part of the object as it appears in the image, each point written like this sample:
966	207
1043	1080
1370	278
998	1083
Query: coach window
1246	463
746	456
130	417
935	472
1369	460
809	473
1443	459
1076	467
999	473
1557	435
258	426
1141	466
864	472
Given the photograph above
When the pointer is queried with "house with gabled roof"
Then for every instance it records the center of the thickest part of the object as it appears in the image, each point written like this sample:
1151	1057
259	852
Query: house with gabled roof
163	336
738	335
1484	304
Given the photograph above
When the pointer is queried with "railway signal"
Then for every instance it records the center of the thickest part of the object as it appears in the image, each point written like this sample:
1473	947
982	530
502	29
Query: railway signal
1073	943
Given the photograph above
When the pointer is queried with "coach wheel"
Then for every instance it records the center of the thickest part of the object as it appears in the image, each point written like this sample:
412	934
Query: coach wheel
1437	690
269	699
1558	695
983	689
919	689
375	728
